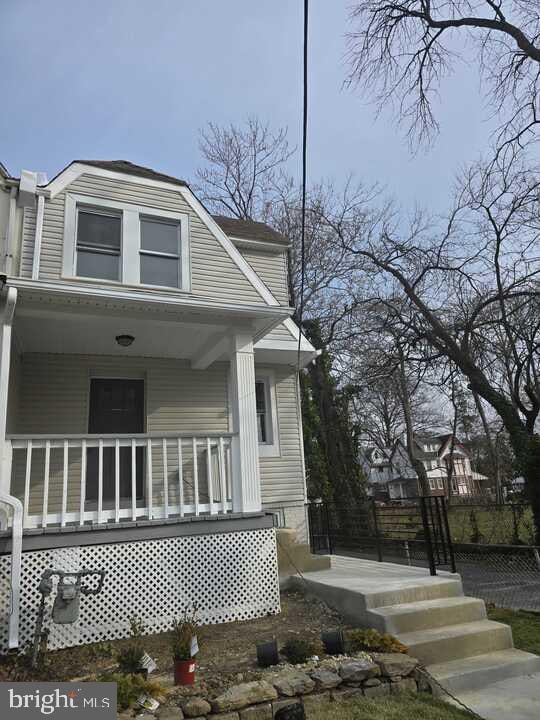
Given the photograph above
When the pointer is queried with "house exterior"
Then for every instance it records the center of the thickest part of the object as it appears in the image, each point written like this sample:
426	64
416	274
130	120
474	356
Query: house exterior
391	475
149	411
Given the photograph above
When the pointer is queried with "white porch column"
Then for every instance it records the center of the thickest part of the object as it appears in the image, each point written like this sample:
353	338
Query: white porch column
246	484
6	318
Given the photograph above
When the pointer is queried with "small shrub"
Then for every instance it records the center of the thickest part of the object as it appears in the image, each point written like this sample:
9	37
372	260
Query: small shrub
373	641
101	650
182	633
129	657
131	687
299	650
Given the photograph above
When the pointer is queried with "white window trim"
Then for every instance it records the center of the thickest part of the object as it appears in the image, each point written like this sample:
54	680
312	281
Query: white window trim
270	448
130	251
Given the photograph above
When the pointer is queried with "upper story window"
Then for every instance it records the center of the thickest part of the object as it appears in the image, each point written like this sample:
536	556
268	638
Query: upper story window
120	242
99	237
160	252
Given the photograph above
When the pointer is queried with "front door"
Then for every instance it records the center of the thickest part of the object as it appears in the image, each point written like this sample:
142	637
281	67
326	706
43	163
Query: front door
116	408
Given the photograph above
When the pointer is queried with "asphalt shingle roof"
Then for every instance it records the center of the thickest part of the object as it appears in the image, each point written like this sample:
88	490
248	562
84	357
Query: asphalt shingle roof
249	230
130	168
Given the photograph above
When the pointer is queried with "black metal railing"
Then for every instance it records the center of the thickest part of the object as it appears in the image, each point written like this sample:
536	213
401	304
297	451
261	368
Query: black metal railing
415	531
426	532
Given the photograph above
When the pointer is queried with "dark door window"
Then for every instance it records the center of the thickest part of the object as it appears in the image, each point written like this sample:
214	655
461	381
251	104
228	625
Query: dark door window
116	408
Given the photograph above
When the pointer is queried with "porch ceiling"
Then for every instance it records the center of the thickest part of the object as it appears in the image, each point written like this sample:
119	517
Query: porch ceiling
64	322
90	335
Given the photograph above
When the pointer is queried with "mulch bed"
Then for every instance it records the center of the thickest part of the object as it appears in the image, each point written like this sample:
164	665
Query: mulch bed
227	651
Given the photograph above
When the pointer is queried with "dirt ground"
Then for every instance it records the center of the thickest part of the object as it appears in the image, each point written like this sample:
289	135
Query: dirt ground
227	651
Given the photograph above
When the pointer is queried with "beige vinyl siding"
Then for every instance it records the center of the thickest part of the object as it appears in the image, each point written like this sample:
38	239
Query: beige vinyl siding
279	333
282	479
13	390
271	267
213	273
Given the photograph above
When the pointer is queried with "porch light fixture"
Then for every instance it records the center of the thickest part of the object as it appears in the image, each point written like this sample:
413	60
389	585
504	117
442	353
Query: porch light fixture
125	340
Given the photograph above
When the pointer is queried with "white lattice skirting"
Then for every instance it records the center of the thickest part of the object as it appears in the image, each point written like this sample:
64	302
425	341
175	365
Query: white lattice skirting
229	576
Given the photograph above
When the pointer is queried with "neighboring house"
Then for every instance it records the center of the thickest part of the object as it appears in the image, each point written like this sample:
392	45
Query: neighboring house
149	409
377	466
392	470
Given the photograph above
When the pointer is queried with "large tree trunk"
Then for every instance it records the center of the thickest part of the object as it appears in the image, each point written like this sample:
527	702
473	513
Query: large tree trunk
527	451
417	464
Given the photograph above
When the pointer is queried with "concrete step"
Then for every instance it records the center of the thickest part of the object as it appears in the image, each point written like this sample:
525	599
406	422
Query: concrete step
438	645
407	593
426	614
479	671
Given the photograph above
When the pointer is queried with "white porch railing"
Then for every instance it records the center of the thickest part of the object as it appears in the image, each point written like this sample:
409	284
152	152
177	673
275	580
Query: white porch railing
67	480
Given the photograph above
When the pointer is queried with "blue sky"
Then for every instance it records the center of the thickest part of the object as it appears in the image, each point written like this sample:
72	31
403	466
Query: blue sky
136	79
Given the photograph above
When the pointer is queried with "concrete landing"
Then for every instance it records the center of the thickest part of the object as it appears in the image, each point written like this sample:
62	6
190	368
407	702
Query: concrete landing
448	632
511	699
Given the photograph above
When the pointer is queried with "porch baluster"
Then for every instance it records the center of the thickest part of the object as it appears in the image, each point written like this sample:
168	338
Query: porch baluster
27	482
117	480
165	479
100	482
133	480
221	465
65	484
180	479
46	484
149	478
82	499
195	478
209	476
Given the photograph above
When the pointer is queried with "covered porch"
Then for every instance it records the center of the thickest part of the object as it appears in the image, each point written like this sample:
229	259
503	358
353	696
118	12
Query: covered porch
128	409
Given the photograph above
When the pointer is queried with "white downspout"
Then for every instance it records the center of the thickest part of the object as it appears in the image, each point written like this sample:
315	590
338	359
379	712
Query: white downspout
37	239
10	232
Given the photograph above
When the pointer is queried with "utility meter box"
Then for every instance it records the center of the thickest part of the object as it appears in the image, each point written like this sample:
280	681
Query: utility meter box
66	603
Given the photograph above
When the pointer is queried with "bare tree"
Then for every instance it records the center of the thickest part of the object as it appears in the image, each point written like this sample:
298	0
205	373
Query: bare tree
469	294
400	51
244	166
377	400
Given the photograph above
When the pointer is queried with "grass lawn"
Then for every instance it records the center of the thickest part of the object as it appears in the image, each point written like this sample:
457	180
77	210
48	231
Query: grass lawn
525	627
404	707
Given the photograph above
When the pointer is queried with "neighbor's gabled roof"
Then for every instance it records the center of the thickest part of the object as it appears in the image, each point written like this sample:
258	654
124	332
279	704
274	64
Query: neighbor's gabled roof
249	230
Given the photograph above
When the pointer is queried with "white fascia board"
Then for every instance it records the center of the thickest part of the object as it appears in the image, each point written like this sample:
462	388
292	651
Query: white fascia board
71	173
170	302
267	246
74	171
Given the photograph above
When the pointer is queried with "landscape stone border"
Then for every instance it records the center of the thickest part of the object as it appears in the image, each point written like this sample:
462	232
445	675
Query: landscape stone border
333	679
